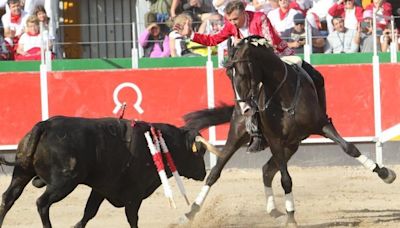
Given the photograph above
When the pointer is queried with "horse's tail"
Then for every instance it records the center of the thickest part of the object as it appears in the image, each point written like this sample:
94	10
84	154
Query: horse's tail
208	117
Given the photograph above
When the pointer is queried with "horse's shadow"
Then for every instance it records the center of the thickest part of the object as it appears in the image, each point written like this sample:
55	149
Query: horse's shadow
379	216
355	218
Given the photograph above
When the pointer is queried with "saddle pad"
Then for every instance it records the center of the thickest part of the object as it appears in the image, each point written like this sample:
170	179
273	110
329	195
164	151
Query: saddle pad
292	59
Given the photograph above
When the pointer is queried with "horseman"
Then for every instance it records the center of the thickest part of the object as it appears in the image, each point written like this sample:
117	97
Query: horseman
238	25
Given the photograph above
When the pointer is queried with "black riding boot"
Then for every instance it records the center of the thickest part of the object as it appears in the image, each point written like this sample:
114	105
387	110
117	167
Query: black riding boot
318	80
257	140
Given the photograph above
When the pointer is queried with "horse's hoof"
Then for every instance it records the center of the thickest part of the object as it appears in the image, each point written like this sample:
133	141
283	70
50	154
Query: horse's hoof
183	220
276	213
390	177
291	225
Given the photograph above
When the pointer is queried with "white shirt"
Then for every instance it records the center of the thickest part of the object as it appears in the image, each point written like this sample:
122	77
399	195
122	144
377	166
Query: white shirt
178	38
17	27
350	19
30	42
282	25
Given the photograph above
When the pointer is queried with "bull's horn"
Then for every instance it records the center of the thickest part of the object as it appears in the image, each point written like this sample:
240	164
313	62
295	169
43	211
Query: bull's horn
209	147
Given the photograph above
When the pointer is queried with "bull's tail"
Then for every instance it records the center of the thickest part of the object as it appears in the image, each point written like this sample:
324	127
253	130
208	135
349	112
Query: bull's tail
3	161
208	117
26	149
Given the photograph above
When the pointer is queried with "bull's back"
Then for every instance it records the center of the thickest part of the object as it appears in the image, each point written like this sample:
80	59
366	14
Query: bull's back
88	151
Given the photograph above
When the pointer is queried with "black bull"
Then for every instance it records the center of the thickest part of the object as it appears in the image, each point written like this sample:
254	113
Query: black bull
106	154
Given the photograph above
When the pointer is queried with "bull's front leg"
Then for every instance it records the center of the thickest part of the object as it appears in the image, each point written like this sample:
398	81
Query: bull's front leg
131	212
237	137
91	208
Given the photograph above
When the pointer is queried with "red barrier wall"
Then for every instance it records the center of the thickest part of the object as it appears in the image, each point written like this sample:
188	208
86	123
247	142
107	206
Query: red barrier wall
170	93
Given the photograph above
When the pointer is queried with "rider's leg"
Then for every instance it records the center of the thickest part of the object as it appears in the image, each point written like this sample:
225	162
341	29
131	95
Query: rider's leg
257	141
318	80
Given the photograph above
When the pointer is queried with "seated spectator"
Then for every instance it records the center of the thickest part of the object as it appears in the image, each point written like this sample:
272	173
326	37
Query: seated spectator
216	23
14	23
30	43
155	41
159	9
41	14
342	40
318	13
264	6
346	9
386	40
296	36
301	6
366	38
383	12
282	17
219	5
178	43
4	53
199	10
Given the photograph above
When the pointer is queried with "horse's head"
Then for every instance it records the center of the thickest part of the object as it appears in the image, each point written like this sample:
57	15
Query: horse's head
244	72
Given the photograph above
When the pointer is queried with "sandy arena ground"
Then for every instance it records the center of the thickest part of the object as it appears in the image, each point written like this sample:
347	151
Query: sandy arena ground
324	197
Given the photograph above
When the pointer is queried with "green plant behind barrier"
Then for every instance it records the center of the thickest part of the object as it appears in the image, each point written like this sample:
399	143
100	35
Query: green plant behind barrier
125	63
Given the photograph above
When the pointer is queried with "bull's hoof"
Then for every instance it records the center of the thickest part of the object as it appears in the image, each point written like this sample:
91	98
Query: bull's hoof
387	175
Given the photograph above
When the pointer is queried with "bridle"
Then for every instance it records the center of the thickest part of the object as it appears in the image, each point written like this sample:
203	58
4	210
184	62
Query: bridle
255	95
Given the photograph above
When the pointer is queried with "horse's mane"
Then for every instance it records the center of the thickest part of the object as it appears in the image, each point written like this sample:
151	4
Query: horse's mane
256	41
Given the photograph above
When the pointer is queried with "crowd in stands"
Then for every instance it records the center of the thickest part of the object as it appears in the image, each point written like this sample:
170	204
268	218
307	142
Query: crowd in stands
337	26
20	29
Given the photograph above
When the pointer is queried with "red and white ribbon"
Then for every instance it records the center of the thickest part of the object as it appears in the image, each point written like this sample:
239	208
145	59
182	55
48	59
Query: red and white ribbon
158	161
172	166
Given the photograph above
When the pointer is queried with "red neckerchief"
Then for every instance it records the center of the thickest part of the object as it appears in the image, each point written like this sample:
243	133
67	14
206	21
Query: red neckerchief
15	18
282	14
32	34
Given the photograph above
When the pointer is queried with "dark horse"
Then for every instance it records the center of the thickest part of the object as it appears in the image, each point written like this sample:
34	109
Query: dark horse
289	111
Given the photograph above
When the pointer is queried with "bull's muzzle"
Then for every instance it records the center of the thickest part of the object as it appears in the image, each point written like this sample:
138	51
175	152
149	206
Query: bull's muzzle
209	146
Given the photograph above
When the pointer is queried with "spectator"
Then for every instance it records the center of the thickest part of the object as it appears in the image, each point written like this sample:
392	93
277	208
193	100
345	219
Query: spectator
41	14
342	40
14	23
265	6
4	53
366	38
30	43
216	24
159	9
282	17
301	6
318	13
199	10
386	40
155	41
383	12
177	42
296	36
346	9
219	5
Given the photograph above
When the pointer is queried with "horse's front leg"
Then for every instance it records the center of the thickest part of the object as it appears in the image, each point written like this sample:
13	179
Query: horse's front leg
279	150
237	136
269	171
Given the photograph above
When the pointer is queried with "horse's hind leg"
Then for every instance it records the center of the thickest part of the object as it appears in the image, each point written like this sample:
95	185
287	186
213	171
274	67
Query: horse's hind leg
269	171
20	179
387	175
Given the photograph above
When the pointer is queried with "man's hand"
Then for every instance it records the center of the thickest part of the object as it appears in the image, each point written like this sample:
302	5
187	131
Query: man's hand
185	29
